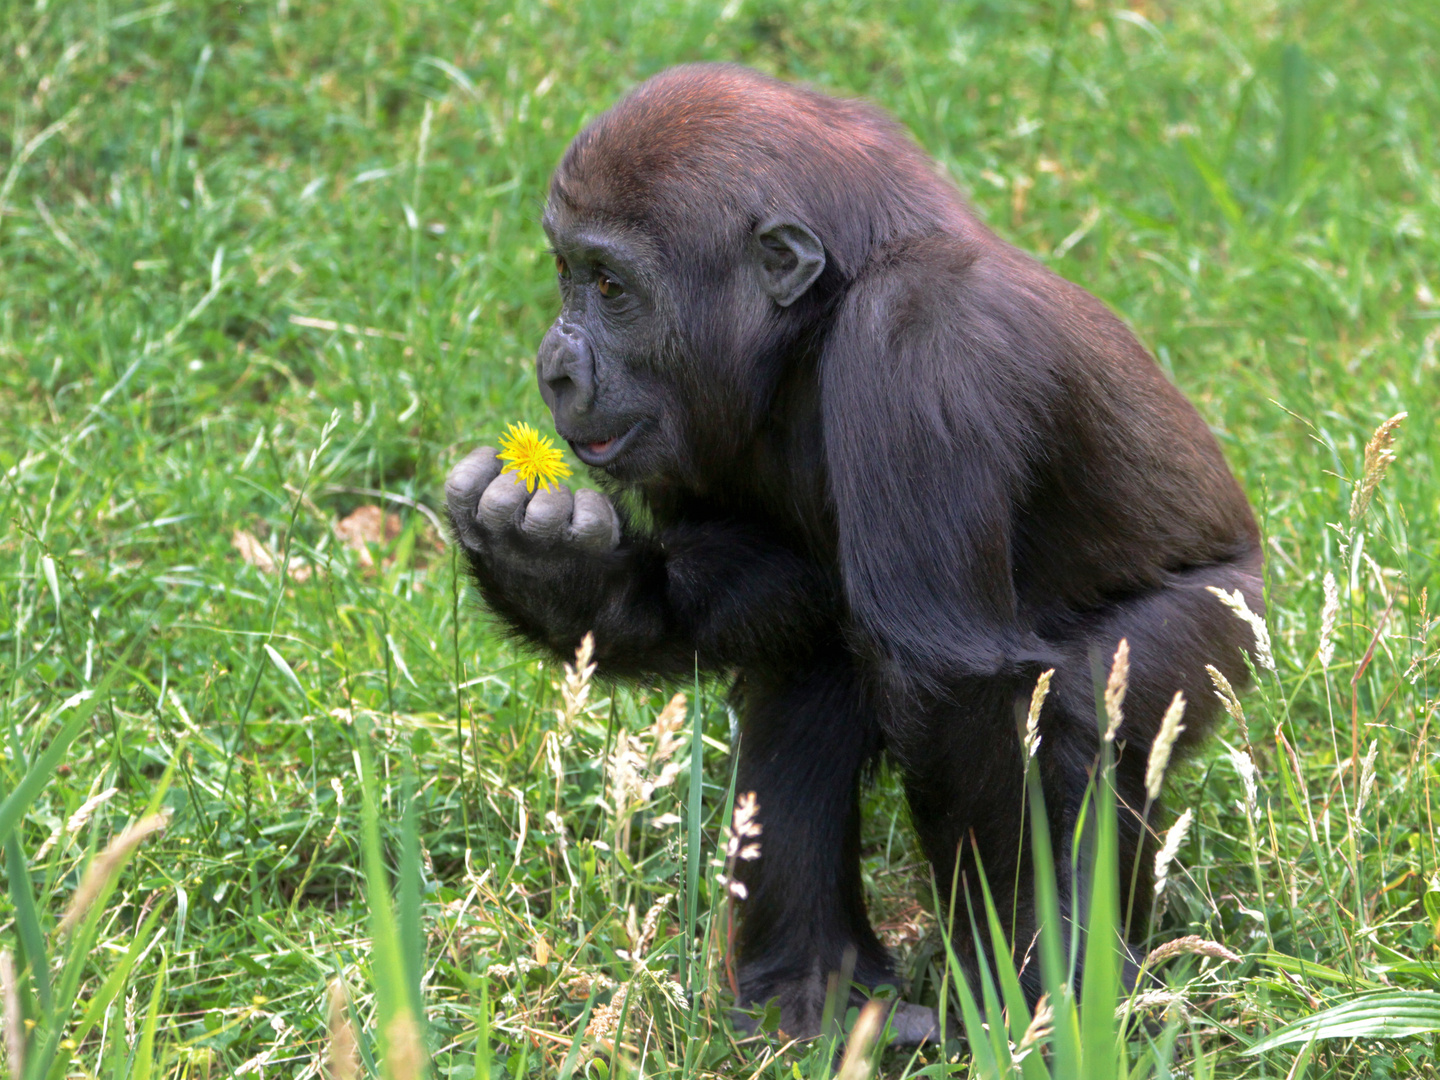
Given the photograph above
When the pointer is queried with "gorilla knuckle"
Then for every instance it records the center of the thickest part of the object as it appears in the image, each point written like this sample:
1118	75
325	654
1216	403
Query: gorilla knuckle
595	525
503	502
548	514
472	474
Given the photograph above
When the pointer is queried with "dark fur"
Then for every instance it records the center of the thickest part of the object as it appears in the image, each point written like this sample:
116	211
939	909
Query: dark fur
889	506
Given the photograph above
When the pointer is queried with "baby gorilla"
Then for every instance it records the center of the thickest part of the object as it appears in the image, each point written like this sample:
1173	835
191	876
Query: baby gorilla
881	468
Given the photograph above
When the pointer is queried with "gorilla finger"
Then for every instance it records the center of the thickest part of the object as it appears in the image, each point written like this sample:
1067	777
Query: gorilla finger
503	504
595	525
472	475
548	514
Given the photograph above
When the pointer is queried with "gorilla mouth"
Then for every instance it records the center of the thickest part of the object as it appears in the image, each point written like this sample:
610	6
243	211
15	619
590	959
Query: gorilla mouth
603	452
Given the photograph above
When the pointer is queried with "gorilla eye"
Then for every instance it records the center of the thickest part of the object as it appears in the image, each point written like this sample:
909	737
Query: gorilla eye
608	286
561	266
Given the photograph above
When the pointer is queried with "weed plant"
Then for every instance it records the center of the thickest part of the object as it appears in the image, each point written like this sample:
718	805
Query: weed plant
275	800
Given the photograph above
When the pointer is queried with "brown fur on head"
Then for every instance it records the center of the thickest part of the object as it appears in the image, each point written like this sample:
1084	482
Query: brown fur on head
716	143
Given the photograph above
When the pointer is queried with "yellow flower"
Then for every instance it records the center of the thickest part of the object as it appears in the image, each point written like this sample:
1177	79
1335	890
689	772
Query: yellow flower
531	456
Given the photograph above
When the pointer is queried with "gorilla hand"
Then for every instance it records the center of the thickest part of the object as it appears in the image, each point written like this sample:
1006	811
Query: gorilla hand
495	517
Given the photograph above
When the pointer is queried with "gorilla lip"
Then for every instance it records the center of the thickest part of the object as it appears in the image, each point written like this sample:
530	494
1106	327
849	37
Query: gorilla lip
603	451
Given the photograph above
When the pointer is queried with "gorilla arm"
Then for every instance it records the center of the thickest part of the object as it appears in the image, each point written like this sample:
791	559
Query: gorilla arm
555	565
927	419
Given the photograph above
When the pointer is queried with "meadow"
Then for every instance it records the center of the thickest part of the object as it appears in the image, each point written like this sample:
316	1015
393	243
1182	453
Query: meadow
277	799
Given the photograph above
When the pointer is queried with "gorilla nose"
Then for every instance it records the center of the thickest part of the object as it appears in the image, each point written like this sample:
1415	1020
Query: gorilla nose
566	371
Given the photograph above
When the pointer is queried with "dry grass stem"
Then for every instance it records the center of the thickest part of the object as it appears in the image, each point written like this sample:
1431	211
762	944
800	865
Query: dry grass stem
1328	613
107	864
1191	944
1159	761
1032	718
1379	456
1236	602
1174	841
856	1063
1115	687
342	1053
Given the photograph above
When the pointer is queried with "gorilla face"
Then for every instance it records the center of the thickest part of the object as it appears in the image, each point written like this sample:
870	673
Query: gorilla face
648	373
599	366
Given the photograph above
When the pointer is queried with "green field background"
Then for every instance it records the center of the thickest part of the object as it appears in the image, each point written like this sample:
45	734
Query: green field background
223	224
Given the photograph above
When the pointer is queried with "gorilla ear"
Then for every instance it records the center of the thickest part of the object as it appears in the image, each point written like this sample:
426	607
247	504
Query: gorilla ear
790	257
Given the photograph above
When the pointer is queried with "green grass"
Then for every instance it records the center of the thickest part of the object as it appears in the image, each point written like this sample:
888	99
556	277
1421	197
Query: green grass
220	224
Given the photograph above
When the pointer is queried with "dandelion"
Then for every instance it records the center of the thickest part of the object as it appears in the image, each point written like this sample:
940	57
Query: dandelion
1235	601
1032	719
1115	688
1174	840
1379	456
1328	612
1228	698
1246	769
532	457
1170	729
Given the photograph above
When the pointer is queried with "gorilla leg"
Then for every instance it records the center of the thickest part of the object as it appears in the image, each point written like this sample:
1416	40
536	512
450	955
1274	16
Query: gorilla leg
806	737
1173	632
964	763
964	778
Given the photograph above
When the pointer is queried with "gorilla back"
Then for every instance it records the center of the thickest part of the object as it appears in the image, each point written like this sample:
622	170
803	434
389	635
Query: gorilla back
894	469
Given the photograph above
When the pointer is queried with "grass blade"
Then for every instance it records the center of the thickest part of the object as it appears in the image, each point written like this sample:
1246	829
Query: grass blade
1391	1014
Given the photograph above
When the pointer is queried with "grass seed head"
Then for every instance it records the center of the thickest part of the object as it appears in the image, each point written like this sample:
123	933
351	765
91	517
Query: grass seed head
1367	777
343	1050
1159	761
1379	456
1328	612
856	1063
1174	841
107	864
404	1056
1231	700
14	1017
1235	601
1191	944
1246	770
1032	718
1115	687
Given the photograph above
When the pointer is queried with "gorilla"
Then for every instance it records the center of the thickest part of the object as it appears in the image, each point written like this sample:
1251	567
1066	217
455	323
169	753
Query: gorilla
879	467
